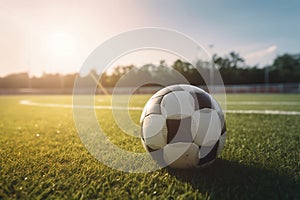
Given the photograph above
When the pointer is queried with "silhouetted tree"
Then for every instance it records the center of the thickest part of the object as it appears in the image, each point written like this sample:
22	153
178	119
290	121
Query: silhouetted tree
285	68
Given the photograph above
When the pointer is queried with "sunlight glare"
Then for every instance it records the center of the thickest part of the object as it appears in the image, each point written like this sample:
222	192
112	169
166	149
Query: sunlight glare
61	44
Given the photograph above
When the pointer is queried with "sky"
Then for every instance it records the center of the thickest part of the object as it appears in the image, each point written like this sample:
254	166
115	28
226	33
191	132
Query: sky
57	36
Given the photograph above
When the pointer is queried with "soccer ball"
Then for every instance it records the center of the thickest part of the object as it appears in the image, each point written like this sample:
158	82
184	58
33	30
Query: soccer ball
182	126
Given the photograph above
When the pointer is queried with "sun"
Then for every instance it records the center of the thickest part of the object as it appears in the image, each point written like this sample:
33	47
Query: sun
61	44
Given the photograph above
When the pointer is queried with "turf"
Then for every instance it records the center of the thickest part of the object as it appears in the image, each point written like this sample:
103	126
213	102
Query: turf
42	156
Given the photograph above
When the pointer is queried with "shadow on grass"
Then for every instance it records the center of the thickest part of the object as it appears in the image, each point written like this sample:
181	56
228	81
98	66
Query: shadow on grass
232	180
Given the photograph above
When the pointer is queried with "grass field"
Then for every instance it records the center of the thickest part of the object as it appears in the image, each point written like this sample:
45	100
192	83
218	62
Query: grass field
41	155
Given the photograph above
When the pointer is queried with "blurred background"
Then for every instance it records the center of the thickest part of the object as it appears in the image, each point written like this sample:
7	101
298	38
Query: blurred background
255	44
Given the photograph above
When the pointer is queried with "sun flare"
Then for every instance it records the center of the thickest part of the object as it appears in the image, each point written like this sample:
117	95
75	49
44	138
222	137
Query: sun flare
61	44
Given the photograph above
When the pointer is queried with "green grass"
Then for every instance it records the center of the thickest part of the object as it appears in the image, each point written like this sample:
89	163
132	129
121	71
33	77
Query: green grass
41	156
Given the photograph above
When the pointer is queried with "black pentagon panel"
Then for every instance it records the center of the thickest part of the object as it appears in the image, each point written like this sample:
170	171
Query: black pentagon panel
179	130
224	128
202	100
157	155
153	106
211	155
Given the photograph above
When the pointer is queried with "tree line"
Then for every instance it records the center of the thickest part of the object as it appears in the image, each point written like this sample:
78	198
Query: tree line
232	67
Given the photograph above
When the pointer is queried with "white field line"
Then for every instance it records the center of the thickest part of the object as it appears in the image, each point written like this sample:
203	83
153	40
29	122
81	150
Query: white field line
285	103
30	103
265	112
